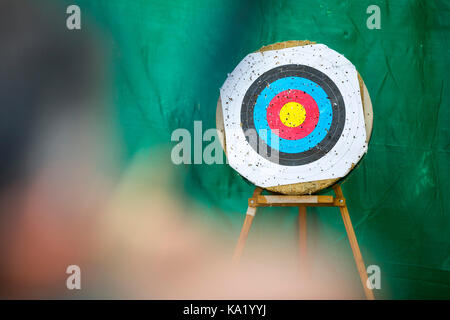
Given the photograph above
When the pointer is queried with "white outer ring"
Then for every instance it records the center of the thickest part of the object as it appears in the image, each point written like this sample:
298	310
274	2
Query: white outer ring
338	161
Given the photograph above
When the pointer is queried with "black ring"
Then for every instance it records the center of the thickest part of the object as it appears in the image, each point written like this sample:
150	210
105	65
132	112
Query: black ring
337	104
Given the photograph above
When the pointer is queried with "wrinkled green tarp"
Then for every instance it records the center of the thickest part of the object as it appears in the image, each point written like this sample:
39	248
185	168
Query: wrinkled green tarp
171	57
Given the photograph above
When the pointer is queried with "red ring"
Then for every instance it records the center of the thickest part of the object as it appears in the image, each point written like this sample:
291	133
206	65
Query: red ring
289	133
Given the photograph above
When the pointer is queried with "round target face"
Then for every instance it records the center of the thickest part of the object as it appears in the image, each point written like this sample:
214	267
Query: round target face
293	115
301	106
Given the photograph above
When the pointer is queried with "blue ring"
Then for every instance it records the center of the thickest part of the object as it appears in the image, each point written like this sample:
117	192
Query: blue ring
294	83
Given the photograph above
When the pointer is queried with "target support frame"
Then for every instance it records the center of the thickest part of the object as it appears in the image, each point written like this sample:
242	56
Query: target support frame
302	202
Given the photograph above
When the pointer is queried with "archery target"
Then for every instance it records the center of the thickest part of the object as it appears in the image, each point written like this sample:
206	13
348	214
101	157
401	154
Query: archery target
293	115
302	106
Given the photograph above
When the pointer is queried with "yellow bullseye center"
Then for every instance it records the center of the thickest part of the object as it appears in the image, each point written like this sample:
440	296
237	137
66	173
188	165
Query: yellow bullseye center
292	114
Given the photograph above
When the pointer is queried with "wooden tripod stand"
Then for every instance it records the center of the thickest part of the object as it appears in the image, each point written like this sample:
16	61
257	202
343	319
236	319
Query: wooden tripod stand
259	200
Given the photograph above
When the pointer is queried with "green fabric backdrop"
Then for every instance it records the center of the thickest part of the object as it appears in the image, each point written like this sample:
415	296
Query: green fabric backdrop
171	57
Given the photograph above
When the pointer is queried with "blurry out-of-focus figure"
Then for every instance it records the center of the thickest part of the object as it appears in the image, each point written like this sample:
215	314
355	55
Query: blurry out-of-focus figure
136	238
154	246
52	169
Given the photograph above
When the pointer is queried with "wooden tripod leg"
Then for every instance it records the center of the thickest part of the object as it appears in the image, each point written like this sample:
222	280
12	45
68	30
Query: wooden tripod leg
354	245
251	211
302	239
244	234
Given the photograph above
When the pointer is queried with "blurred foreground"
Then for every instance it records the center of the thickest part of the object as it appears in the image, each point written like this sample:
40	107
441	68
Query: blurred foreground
64	202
